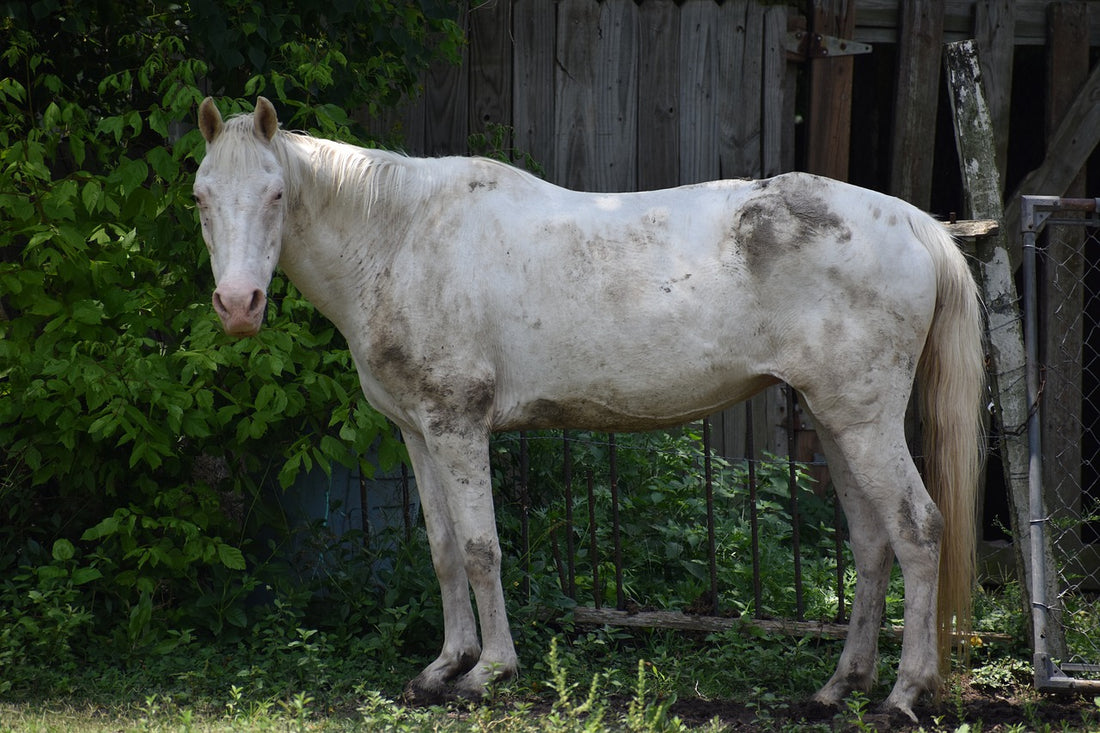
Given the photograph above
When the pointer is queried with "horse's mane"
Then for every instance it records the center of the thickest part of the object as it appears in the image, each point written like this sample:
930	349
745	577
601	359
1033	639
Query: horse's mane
315	166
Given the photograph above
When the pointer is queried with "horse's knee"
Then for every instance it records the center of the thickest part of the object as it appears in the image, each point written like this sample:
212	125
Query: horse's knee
482	559
919	526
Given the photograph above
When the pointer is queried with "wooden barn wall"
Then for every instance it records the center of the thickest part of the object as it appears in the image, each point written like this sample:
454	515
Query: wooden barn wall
615	95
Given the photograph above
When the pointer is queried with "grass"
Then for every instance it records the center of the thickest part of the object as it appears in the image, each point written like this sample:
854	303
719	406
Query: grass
331	652
603	679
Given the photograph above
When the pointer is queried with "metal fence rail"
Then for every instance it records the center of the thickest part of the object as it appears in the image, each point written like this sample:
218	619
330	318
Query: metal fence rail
1062	339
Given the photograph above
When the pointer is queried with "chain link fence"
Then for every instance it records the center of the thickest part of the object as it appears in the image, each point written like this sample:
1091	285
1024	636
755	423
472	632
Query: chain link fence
1061	265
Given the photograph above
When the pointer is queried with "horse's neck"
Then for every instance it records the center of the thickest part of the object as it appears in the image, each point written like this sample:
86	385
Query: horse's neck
338	226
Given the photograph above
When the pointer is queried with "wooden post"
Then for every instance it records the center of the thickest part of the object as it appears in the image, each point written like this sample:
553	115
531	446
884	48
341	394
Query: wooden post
831	93
920	40
1007	359
995	36
828	145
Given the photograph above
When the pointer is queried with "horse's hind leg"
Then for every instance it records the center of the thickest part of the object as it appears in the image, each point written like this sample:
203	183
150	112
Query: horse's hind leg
873	560
891	497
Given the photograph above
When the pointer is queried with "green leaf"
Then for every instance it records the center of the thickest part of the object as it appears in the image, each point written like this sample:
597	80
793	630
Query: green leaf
63	550
108	526
88	312
86	575
140	616
235	615
91	195
231	557
163	164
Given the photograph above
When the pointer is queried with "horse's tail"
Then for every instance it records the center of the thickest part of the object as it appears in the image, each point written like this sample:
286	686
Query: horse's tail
951	379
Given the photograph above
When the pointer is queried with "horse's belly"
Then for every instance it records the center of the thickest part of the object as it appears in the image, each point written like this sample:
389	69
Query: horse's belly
623	408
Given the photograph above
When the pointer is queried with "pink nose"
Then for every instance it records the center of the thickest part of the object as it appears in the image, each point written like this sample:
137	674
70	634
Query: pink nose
241	310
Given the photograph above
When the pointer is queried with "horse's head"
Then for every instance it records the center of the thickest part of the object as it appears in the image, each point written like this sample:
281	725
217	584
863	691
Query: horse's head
239	190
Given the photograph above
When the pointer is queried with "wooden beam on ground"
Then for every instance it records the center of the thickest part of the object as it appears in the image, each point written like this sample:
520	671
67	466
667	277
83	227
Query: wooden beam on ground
919	49
712	624
1004	329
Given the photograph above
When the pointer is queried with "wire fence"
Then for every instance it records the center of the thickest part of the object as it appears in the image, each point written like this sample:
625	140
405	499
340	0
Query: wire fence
1061	250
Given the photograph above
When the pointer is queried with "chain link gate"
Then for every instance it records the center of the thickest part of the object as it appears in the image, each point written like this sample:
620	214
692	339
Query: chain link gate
1062	339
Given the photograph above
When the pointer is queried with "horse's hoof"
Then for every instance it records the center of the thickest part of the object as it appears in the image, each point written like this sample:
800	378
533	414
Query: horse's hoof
422	693
896	715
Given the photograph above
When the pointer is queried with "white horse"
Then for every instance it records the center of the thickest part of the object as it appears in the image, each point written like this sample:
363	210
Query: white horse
475	297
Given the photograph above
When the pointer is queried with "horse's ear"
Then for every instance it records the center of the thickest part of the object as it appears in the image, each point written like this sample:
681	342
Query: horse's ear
265	123
210	120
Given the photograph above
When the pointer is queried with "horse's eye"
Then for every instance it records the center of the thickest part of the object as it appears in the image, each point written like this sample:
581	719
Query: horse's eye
278	196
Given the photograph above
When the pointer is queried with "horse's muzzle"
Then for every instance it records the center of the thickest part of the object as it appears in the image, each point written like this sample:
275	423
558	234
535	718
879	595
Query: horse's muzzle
241	310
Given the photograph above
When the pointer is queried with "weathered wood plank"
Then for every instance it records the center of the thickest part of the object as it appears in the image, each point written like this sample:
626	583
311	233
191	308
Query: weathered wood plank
876	22
444	106
699	30
994	24
1004	329
915	105
578	32
533	33
738	87
830	114
971	228
658	96
491	76
617	97
775	126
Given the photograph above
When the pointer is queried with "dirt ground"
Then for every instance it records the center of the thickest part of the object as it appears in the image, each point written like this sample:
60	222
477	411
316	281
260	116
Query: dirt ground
996	713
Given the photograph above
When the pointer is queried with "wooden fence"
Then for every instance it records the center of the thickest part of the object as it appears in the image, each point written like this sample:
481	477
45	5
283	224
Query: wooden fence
616	95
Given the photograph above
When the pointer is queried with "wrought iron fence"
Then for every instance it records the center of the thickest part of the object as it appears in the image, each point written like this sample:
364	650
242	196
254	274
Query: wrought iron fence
1061	265
656	529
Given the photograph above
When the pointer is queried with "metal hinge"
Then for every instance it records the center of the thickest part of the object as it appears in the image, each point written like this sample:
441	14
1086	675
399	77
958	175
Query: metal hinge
806	45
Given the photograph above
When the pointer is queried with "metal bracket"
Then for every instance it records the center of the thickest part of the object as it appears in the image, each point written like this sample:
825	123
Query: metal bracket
1037	211
805	45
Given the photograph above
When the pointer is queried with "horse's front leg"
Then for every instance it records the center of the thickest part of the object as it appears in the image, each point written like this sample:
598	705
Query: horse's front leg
459	460
461	649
